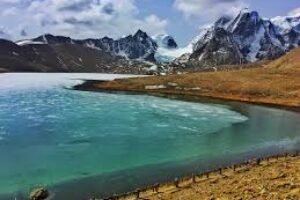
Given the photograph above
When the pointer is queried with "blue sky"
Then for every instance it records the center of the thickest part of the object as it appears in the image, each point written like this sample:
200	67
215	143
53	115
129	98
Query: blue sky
97	18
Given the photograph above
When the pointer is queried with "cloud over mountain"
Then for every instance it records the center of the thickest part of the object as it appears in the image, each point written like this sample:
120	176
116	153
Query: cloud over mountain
295	12
77	18
209	8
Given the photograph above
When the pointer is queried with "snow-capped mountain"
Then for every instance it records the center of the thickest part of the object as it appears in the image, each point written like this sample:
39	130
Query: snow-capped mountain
245	38
289	29
49	53
172	53
256	37
167	50
165	41
216	47
137	46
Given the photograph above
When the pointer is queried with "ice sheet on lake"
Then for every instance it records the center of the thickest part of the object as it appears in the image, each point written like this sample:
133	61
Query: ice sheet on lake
24	81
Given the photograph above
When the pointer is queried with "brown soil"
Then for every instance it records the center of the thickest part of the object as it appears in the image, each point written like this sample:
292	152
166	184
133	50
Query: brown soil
274	179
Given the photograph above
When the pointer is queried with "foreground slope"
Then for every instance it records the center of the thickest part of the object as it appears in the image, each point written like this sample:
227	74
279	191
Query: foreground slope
276	83
272	178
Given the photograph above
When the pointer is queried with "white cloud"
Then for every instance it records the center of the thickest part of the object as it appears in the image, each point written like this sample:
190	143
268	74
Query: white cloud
295	12
157	25
76	18
209	9
4	34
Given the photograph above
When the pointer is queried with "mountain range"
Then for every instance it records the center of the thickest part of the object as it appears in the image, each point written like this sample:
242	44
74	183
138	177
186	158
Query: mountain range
245	38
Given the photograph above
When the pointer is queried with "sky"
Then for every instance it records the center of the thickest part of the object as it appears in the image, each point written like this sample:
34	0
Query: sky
20	19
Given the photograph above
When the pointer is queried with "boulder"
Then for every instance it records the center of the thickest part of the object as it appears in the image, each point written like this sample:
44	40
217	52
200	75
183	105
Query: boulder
39	194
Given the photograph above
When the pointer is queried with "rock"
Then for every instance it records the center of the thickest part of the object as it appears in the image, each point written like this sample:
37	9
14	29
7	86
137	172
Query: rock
155	87
39	194
293	194
263	191
217	47
172	84
196	88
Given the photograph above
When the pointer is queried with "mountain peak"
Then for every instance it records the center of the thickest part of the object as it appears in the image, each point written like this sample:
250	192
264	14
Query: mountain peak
140	33
245	10
246	20
222	21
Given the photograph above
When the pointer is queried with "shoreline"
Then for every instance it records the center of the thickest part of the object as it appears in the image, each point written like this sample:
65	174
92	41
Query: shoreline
157	191
95	86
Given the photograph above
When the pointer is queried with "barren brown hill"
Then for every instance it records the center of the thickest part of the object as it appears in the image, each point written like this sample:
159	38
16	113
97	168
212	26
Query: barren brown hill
277	83
289	61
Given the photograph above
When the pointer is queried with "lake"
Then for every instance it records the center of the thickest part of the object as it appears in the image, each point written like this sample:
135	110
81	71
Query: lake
82	144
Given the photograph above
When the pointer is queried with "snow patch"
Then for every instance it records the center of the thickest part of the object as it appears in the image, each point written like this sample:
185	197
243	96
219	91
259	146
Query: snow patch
28	42
282	25
164	55
15	53
92	46
42	81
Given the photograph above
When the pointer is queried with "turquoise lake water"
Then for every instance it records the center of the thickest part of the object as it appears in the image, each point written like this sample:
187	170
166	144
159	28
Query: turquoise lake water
65	139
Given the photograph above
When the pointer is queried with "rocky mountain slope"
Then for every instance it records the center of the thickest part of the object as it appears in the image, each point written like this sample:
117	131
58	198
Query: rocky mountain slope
244	39
289	29
137	46
48	53
63	57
